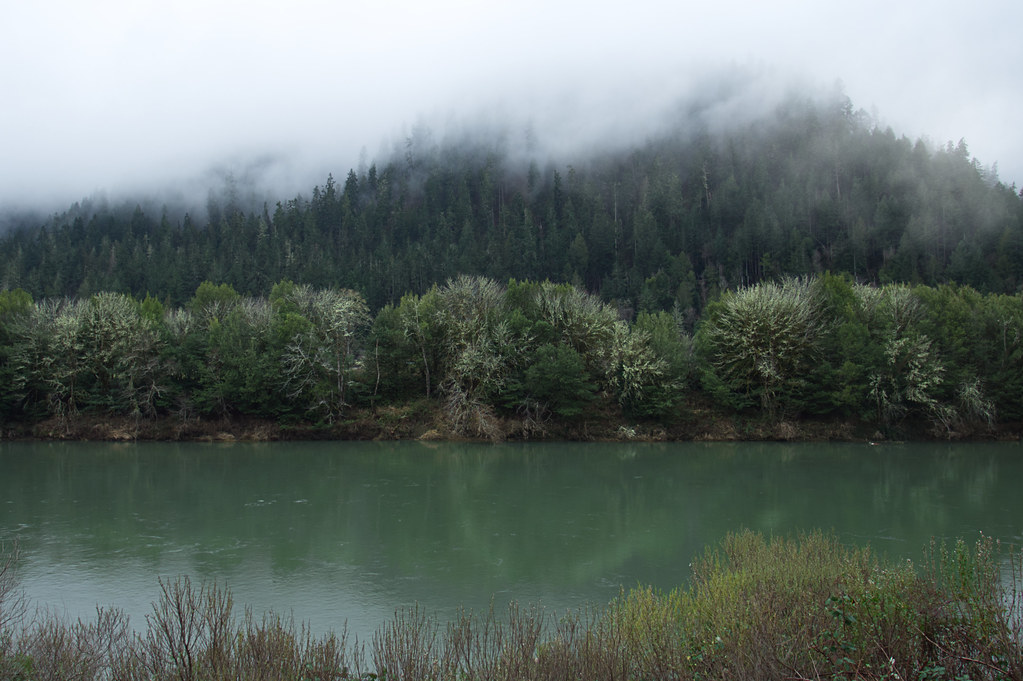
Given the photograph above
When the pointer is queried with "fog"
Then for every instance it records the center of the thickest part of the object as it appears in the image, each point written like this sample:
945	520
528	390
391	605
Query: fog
168	98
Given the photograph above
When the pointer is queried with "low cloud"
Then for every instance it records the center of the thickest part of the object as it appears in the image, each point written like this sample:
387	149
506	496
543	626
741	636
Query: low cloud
153	98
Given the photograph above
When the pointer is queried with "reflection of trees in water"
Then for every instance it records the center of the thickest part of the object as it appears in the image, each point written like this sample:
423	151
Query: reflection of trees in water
564	513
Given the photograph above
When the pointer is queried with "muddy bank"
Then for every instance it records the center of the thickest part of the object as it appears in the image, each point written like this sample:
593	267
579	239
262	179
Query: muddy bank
425	420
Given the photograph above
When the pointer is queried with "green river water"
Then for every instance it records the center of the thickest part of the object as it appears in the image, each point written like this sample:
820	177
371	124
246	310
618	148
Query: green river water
336	532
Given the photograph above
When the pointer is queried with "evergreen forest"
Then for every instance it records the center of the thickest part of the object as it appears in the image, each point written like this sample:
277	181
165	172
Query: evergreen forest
806	264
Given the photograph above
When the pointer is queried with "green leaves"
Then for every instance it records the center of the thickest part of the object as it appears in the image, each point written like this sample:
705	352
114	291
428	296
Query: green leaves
890	354
947	359
760	342
213	301
557	377
98	354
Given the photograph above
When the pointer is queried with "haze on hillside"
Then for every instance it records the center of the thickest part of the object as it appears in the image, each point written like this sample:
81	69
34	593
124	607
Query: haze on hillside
147	97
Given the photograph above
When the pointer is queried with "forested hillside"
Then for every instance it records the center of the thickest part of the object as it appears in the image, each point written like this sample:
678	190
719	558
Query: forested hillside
815	186
805	265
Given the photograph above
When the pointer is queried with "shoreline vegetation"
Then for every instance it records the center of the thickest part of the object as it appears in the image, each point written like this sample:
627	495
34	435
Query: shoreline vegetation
815	358
755	608
424	421
804	275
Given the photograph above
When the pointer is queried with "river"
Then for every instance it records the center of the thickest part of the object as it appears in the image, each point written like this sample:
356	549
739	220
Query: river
336	532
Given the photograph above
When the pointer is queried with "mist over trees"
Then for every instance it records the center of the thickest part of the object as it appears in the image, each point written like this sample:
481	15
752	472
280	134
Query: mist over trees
803	264
812	187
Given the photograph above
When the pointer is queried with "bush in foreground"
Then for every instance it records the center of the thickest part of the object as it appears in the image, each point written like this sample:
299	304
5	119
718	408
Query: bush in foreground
756	608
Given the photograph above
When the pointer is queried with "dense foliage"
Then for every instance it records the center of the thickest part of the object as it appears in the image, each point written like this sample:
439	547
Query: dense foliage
755	609
947	359
815	186
699	264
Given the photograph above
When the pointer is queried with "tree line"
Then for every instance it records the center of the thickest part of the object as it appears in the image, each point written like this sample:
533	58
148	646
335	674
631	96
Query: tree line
814	187
947	357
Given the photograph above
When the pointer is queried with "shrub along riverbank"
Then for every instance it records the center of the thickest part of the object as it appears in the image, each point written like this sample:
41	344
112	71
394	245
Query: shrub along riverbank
755	608
478	359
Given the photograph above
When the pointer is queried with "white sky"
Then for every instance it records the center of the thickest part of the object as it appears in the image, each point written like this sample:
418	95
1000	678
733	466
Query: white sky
124	95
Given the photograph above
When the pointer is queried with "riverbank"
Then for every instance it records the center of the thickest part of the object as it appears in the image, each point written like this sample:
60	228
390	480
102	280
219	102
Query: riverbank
425	420
757	608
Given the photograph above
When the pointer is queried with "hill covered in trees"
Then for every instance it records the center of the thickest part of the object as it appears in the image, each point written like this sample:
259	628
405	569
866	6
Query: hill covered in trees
813	186
803	265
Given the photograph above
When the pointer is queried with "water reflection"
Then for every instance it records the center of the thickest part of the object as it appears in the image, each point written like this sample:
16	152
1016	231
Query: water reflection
336	531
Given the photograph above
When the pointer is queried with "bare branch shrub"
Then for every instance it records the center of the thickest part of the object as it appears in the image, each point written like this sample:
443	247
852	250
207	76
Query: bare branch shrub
806	608
80	651
522	642
12	599
190	631
472	646
406	649
13	607
273	648
468	415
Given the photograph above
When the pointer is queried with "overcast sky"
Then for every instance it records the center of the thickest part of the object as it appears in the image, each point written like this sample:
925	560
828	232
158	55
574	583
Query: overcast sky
124	95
